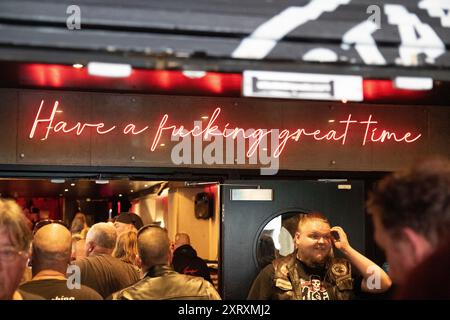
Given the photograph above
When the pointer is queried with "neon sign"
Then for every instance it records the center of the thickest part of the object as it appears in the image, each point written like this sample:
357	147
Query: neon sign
62	125
372	133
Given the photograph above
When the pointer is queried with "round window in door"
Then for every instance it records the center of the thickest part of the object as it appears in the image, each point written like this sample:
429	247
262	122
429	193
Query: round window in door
277	238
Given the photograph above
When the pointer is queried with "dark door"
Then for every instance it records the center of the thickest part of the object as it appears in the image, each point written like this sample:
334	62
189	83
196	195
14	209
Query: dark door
244	221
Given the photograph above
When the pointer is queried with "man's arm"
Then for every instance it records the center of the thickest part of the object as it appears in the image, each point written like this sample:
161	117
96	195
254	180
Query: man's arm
375	280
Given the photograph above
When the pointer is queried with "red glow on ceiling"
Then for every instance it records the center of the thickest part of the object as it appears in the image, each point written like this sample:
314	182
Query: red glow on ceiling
151	81
55	76
50	75
215	83
212	189
376	90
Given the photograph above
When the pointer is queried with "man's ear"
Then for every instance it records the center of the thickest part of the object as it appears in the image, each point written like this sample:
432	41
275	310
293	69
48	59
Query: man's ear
30	257
89	247
420	247
139	261
296	238
170	257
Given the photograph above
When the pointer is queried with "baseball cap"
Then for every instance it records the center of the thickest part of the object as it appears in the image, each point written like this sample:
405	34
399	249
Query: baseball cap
129	218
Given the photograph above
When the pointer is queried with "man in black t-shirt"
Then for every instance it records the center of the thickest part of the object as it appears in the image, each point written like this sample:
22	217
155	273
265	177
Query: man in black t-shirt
51	251
185	259
312	273
101	271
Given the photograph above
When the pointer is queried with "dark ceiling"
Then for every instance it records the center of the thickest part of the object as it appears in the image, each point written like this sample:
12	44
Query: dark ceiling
75	189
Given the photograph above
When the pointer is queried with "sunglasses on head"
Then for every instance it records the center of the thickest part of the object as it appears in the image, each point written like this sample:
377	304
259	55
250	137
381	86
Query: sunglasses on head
45	222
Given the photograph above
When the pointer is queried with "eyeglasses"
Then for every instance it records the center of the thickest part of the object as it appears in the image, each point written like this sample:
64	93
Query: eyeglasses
317	237
9	254
45	222
151	225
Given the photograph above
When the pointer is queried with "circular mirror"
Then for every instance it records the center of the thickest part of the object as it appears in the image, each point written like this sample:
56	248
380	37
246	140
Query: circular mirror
277	238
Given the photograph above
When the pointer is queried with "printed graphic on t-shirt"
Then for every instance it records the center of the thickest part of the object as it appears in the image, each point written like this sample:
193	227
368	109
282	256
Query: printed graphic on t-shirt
190	271
314	289
62	298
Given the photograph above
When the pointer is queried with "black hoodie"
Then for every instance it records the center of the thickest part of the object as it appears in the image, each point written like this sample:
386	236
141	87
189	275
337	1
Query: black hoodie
186	261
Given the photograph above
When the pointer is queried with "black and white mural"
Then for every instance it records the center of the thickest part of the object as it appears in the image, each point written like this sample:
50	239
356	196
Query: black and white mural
396	33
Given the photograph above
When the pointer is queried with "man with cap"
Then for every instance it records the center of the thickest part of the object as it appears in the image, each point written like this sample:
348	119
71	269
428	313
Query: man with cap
127	221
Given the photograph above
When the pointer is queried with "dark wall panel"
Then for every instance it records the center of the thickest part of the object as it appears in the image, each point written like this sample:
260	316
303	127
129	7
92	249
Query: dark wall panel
57	148
8	125
439	122
116	111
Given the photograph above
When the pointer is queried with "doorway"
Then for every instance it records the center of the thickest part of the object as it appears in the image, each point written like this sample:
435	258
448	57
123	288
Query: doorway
173	205
247	218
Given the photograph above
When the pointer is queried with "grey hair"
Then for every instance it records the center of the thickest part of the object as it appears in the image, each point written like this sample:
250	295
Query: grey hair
103	235
14	221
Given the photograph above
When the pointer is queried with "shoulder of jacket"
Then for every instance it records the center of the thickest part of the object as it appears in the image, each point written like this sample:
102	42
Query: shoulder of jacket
134	290
282	265
283	262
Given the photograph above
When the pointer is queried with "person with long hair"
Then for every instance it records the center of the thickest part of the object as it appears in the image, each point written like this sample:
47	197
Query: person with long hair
79	225
126	247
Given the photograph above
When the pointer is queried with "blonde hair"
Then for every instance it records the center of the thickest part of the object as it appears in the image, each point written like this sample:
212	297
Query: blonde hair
126	247
15	224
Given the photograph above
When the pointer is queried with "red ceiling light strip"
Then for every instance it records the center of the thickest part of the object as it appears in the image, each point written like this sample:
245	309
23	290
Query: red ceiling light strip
176	82
152	81
379	89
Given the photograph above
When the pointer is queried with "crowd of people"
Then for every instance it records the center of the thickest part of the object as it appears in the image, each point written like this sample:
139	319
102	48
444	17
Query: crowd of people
125	259
105	261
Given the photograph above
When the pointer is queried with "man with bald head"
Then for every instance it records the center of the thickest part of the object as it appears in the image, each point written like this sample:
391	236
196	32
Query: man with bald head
185	259
160	281
100	270
51	251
